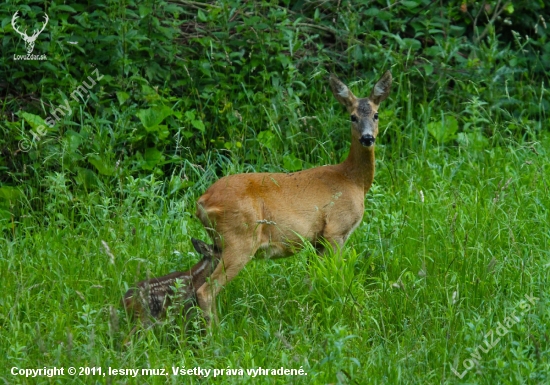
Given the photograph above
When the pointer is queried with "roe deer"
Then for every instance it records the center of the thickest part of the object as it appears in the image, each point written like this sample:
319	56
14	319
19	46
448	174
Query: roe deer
270	214
152	297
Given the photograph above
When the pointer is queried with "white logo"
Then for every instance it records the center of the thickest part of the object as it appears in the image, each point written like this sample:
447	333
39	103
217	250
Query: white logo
29	40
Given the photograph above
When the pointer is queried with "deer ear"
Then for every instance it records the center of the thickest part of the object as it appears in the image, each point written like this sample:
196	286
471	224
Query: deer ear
341	92
202	248
381	89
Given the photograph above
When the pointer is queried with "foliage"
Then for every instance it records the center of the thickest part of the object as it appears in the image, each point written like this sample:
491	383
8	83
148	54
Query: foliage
174	81
449	246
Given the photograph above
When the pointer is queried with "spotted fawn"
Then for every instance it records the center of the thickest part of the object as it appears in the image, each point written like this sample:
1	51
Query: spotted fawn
152	297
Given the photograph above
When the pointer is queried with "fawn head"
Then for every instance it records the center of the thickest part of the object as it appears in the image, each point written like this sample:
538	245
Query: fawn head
363	111
202	270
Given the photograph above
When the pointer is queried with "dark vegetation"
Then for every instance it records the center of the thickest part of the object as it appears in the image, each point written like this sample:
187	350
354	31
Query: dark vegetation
187	83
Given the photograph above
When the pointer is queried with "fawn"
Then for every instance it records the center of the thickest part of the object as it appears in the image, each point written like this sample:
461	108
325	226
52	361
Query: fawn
151	298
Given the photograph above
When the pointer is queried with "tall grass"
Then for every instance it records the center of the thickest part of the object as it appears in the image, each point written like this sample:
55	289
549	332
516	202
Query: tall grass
452	239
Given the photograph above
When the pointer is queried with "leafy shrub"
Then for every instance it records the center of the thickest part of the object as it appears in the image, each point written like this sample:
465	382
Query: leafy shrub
170	88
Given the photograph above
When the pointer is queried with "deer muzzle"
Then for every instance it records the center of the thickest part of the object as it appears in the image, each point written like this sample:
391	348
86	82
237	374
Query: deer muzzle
367	140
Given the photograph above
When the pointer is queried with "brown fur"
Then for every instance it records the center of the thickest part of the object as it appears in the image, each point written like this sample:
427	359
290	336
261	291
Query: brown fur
270	214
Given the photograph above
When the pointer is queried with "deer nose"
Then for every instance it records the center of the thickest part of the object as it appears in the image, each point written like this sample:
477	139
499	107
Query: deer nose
367	140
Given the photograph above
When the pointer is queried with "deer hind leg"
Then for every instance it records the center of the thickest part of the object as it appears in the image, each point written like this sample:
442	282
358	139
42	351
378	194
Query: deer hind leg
233	260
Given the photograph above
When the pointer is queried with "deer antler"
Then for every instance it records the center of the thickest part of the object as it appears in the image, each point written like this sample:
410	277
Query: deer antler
29	40
15	17
35	35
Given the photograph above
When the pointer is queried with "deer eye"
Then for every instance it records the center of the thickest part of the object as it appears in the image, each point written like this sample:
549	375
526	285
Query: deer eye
353	118
375	116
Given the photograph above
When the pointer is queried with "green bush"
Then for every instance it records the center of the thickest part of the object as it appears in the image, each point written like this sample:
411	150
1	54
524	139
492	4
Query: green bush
173	85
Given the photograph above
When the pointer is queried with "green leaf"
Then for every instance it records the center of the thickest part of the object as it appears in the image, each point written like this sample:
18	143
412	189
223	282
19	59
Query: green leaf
176	184
372	12
102	166
9	193
65	8
163	131
190	115
444	130
5	216
410	43
152	117
73	140
122	97
474	141
86	177
151	158
201	16
144	11
457	30
317	15
429	69
187	134
385	15
410	4
267	139
199	125
291	163
34	121
149	93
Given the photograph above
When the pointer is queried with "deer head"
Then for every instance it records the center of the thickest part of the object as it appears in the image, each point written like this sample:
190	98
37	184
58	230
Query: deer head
363	111
29	40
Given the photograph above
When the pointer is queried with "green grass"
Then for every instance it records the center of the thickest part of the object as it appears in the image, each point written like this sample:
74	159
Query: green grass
451	242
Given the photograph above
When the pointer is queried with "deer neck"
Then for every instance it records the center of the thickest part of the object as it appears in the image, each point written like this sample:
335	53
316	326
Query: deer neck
359	165
203	269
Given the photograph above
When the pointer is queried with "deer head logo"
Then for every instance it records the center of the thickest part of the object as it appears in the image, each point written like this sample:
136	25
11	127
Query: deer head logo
29	40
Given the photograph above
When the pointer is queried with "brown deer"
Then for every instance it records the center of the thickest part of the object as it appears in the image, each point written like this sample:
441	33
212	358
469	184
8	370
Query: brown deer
270	214
152	297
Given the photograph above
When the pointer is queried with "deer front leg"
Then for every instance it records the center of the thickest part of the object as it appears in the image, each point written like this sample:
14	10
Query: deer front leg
233	260
330	244
336	232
